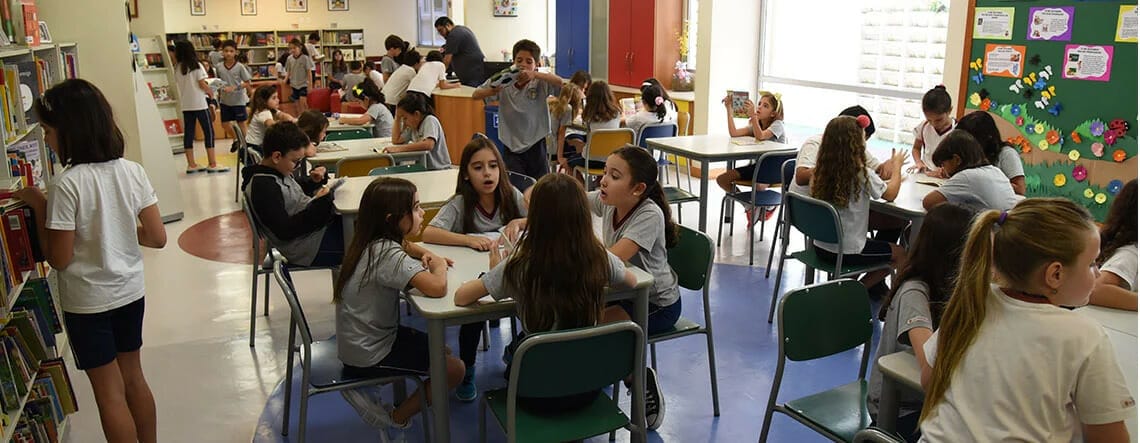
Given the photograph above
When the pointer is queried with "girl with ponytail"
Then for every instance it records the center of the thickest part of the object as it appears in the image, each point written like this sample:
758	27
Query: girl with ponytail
655	107
1010	360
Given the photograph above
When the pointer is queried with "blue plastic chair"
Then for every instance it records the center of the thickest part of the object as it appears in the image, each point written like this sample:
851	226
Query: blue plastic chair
768	171
788	172
673	194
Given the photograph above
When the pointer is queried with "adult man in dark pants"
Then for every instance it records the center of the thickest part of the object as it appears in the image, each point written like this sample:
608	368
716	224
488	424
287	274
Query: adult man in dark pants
461	53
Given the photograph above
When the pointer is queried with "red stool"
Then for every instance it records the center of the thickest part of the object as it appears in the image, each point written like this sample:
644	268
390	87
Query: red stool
319	99
334	101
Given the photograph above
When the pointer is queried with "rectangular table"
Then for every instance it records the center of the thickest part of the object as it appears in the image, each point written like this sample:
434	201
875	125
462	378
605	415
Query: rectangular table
336	125
434	188
710	148
442	312
363	148
907	204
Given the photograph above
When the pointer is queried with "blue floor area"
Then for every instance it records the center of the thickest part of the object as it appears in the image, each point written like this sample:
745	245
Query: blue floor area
746	352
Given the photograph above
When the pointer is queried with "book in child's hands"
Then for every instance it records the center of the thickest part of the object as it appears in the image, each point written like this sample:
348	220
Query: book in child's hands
739	103
504	77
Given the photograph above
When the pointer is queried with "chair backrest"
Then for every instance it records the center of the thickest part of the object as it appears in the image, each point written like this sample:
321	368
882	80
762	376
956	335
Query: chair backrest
769	167
243	148
559	363
361	165
656	130
788	172
520	181
600	143
281	274
348	134
815	218
876	435
691	258
396	169
245	208
824	319
682	123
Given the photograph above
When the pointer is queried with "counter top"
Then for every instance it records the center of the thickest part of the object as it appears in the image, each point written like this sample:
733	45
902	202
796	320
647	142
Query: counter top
688	96
462	91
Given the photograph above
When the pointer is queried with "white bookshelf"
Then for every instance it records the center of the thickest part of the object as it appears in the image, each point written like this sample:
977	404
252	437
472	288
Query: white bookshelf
161	77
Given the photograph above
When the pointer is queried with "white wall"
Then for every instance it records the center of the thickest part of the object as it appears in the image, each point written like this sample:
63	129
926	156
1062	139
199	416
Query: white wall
725	58
377	18
953	69
496	34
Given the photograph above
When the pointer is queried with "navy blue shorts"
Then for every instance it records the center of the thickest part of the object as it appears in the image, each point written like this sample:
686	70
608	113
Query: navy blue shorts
873	253
298	93
661	318
409	353
97	339
233	113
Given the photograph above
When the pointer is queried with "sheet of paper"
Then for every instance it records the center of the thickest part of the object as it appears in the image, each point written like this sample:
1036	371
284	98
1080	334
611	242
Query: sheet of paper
1004	60
1088	62
928	180
993	23
1126	24
1050	23
744	141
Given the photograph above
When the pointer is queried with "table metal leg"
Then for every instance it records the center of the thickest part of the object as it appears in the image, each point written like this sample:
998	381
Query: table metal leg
441	420
888	406
704	201
637	403
348	221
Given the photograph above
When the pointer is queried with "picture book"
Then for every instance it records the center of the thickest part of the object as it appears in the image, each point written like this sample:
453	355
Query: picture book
504	77
739	103
161	93
173	126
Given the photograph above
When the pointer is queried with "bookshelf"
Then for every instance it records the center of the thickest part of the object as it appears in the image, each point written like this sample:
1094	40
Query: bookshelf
350	42
261	47
158	70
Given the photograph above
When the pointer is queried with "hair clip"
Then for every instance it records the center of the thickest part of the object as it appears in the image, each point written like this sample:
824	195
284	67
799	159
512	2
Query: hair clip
1001	219
659	100
863	121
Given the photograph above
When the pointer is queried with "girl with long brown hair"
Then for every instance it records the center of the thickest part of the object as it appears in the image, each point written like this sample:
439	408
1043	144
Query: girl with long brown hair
1116	287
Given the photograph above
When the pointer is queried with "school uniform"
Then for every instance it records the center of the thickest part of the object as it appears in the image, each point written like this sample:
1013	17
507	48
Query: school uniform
980	188
909	309
192	100
524	122
806	158
232	104
306	230
382	120
298	71
856	248
428	78
350	81
1035	372
398	84
565	119
388	65
1009	161
1122	263
644	118
257	127
930	139
777	127
438	157
645	226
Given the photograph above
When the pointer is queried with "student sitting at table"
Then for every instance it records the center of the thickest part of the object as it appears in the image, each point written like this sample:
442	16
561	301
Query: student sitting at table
315	126
809	151
1009	361
380	264
1116	286
557	274
296	215
910	314
765	122
637	226
974	182
980	124
265	110
601	111
654	109
484	202
843	179
377	114
420	129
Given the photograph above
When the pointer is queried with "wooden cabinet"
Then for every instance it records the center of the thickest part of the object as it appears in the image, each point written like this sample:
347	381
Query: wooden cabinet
572	37
643	40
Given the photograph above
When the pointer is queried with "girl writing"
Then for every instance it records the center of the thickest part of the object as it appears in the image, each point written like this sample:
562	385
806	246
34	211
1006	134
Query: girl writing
377	114
936	107
974	182
378	265
100	203
1003	156
563	111
414	114
654	109
264	112
1051	373
600	112
193	92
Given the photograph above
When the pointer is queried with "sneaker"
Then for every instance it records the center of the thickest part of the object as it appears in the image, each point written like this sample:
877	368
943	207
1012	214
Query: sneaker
466	391
217	169
195	170
375	414
654	401
768	213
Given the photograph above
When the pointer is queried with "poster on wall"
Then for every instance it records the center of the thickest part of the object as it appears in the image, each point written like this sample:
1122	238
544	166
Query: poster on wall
1051	23
1004	60
1126	24
338	5
505	8
197	7
248	7
1088	62
993	23
296	5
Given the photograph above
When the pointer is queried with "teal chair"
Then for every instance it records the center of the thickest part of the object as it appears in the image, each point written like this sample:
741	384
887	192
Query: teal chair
817	220
559	363
397	169
815	322
348	134
876	435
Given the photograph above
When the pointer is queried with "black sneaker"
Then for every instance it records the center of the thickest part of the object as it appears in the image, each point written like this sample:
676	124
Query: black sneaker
654	401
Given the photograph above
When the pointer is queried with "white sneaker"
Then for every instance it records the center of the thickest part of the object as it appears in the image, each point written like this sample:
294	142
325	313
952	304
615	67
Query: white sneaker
373	412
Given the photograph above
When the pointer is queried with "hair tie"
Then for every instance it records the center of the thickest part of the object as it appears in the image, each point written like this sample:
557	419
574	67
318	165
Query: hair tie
659	100
863	121
1001	219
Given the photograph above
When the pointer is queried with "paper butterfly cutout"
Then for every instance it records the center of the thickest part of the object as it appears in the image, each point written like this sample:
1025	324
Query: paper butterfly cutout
1055	110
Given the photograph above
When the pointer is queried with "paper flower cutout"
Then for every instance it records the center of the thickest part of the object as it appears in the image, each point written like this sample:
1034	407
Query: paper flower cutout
1110	138
975	99
1032	180
1043	144
1101	198
1119	155
1079	172
1074	155
1025	148
1075	136
1098	149
1039	128
1020	120
985	106
1096	128
1089	193
1053	137
1059	180
1115	186
1015	110
1030	129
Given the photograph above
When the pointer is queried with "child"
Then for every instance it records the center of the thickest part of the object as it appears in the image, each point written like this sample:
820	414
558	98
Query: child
354	76
315	126
670	106
377	113
581	79
809	151
974	182
1049	373
432	74
560	238
843	179
296	215
911	313
339	69
600	112
264	112
379	265
311	47
279	67
1116	286
563	111
299	71
100	203
396	47
484	202
524	121
233	95
372	74
765	122
215	57
981	125
414	113
638	227
193	91
397	83
936	108
654	109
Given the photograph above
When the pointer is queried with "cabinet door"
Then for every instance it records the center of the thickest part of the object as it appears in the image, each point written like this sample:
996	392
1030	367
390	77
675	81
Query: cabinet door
641	35
621	13
580	37
563	37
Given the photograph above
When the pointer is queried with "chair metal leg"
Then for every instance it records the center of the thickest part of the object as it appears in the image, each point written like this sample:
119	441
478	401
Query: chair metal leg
752	235
288	378
653	354
253	308
266	307
776	287
772	400
482	420
487	336
616	395
712	369
302	418
779	237
720	224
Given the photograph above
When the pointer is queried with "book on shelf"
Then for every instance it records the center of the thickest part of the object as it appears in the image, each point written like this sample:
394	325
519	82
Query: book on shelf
356	38
154	60
70	66
31	22
29	89
25	162
173	126
360	54
161	93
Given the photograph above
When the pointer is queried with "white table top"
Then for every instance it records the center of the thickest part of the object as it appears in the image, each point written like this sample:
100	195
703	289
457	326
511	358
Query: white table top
356	148
434	187
1115	319
468	264
908	202
715	147
336	125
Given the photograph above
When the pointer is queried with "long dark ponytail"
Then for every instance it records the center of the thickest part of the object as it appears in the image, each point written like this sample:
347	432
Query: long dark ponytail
643	169
654	99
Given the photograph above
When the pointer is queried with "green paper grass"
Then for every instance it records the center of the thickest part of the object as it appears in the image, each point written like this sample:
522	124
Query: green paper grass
1039	183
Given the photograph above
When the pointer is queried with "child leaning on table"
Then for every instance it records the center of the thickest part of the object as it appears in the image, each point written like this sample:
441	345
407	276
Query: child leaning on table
415	119
765	122
377	114
378	265
560	238
1010	361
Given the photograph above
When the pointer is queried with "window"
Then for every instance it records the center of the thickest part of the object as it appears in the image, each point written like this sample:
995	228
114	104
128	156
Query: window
690	25
428	11
881	54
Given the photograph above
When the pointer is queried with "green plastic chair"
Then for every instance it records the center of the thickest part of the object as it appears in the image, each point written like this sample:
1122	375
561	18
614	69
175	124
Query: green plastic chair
555	364
876	435
397	169
817	220
348	134
815	322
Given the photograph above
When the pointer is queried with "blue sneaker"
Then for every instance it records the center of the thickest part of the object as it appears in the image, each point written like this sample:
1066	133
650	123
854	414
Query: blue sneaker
466	391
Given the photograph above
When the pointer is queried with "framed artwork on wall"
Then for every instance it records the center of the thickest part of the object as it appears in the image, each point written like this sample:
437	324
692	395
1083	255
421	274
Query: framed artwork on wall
248	7
338	5
505	8
197	7
296	5
133	8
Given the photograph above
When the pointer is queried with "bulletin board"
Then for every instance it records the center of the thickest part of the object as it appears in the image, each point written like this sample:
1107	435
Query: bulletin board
1060	79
